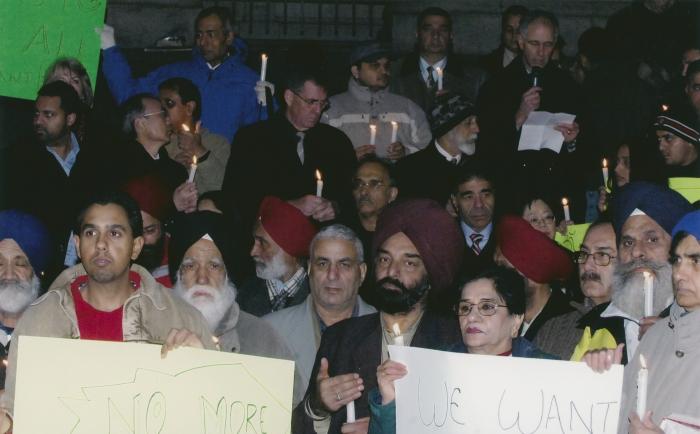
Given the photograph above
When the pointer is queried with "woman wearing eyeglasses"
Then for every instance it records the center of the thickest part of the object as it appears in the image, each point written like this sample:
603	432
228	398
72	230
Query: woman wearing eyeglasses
490	311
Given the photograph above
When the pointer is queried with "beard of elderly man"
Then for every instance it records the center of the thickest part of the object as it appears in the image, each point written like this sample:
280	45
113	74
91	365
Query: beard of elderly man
628	284
19	285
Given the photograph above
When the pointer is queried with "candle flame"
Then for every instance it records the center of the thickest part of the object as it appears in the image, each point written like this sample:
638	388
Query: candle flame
194	160
605	162
394	123
664	107
642	362
263	56
646	274
215	339
372	127
395	328
564	201
438	70
4	362
185	128
318	175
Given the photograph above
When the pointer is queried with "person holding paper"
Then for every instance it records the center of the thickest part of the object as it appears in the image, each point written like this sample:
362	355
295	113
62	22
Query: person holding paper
413	280
490	312
369	102
107	297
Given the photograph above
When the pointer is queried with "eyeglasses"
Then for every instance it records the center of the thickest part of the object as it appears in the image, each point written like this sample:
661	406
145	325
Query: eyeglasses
485	308
373	184
599	258
321	103
546	220
161	113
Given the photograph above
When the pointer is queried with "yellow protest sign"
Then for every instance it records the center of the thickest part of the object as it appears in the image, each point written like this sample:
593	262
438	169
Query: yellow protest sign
573	238
689	188
88	387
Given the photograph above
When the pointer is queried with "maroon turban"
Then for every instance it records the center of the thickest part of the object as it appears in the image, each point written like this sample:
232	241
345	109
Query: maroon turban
152	195
287	226
432	230
531	252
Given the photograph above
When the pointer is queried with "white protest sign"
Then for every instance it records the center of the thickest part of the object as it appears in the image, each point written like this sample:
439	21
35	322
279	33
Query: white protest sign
467	394
89	387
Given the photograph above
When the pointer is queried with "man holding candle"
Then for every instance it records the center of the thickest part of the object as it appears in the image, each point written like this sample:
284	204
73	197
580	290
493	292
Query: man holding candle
376	120
413	279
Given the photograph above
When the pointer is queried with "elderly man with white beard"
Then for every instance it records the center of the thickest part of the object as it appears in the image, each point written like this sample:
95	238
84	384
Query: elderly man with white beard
644	215
201	263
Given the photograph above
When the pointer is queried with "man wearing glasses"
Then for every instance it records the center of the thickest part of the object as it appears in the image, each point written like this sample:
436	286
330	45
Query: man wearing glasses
281	156
596	262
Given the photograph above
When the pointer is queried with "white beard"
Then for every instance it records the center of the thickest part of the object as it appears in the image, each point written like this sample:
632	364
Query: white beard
468	146
274	270
212	307
628	287
16	295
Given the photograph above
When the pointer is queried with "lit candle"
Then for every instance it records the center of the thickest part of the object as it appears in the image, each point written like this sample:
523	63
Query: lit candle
565	204
350	410
398	338
605	173
372	134
648	294
642	380
664	108
185	128
439	73
216	342
193	169
263	67
394	131
319	184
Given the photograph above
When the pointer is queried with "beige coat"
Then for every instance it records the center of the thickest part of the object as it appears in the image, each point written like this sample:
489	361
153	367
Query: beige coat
210	172
149	315
671	349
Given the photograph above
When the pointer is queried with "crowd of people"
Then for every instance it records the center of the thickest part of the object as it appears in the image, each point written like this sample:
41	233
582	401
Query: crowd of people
233	214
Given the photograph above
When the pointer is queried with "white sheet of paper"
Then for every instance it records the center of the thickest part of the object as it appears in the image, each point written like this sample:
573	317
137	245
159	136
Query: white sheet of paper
677	424
456	393
538	131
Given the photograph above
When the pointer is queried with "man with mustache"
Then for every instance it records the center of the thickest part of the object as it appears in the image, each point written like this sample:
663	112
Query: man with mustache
202	267
281	244
431	173
417	253
643	216
596	261
369	102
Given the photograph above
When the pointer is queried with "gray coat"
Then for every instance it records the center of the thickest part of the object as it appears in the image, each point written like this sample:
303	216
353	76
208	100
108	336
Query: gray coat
559	335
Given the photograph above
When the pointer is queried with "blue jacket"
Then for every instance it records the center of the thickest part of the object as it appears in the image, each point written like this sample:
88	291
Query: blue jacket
228	92
383	417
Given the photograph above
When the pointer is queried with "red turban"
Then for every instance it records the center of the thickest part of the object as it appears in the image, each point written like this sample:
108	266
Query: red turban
152	195
287	226
531	252
432	230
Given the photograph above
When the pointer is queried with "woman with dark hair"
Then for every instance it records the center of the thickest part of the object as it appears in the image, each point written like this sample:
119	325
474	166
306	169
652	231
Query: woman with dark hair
490	312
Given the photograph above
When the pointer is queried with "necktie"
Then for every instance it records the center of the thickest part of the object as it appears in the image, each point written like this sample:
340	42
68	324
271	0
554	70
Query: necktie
431	79
300	146
476	239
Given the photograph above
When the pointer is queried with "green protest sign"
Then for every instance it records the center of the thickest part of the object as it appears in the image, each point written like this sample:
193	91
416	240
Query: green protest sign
34	33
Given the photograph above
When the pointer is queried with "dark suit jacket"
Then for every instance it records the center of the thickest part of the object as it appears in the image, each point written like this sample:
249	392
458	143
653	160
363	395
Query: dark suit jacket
354	345
457	77
474	264
558	304
493	62
253	298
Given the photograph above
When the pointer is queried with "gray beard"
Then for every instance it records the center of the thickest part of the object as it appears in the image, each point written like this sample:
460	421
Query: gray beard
212	310
628	287
16	295
469	145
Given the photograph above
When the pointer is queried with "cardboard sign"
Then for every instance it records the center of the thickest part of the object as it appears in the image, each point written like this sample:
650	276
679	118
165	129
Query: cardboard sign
34	33
455	393
88	387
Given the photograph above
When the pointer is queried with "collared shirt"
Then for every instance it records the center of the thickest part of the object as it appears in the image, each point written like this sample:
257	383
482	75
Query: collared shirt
67	163
468	231
508	57
631	328
455	159
323	326
277	288
442	63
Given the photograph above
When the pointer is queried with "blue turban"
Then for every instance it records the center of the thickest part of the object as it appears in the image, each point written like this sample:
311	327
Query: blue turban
659	203
30	234
690	223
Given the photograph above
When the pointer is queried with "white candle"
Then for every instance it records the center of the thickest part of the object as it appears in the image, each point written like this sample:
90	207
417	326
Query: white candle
350	410
648	294
185	128
439	73
263	67
394	131
193	169
565	204
398	338
642	380
372	134
319	184
605	173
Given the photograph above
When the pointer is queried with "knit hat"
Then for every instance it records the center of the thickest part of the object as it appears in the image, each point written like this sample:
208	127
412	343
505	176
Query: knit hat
531	252
368	51
663	205
449	111
287	226
152	195
690	223
30	234
432	230
680	120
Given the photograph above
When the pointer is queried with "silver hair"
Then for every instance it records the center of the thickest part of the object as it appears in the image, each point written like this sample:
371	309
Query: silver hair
544	17
339	232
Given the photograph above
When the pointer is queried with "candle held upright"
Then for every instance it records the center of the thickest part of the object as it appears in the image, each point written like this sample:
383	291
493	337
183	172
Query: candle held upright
565	204
193	169
319	184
